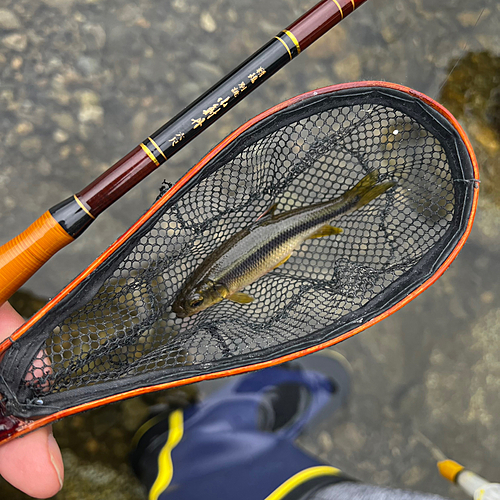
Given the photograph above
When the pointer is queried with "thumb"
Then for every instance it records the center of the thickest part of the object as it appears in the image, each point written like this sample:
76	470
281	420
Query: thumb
32	463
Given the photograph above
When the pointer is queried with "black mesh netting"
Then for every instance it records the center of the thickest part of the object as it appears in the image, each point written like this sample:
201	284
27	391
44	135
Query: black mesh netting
116	331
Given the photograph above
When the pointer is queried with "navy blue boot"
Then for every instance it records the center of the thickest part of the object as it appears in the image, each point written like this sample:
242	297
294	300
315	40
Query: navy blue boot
238	443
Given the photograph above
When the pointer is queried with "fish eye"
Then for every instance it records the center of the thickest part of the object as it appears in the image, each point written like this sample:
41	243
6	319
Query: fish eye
196	301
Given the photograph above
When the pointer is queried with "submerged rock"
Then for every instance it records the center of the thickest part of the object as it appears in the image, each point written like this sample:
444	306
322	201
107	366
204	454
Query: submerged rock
16	41
95	481
472	94
9	20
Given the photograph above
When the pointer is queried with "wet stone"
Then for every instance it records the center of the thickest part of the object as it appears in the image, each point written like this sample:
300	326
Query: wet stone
24	128
9	20
96	480
60	136
471	93
64	120
16	41
88	65
94	36
30	147
207	22
90	109
16	63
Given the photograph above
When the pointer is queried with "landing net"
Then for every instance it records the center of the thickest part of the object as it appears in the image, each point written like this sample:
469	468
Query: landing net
116	330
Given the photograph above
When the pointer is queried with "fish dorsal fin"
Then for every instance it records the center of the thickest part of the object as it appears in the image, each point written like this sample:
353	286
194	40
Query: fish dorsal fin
240	298
374	192
268	214
366	190
326	230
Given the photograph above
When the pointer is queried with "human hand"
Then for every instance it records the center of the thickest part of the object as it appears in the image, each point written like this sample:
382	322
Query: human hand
32	463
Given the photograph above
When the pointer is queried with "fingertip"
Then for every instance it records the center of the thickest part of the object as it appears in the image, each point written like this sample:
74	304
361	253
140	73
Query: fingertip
56	458
10	320
33	464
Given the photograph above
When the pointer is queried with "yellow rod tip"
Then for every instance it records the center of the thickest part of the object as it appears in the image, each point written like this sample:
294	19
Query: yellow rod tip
449	469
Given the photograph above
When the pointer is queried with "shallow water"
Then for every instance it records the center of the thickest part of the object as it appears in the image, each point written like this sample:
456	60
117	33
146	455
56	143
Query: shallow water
82	82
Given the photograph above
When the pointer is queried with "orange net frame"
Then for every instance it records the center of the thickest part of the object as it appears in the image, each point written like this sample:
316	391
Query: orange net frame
112	332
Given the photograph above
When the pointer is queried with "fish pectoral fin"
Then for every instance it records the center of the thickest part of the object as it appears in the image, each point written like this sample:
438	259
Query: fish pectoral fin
282	262
326	230
240	298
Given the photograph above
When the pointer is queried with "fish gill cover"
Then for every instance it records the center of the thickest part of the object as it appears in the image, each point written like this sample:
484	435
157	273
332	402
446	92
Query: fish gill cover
116	331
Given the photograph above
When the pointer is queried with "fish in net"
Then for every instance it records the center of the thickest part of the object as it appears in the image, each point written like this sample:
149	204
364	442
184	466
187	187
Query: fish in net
113	332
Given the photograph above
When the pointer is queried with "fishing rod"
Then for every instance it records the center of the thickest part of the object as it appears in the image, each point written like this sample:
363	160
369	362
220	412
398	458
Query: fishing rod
22	256
472	484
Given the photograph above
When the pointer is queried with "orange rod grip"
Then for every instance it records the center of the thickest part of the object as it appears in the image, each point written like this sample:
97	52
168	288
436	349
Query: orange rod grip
22	256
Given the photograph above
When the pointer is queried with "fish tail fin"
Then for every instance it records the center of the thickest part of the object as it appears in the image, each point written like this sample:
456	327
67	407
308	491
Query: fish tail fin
367	190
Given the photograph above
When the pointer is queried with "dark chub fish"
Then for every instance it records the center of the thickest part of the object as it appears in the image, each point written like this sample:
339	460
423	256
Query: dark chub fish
265	245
